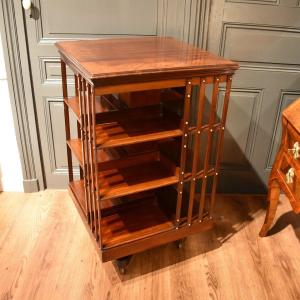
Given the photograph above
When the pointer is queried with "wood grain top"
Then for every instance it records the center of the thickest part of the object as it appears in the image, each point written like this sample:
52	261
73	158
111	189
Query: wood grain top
106	58
292	114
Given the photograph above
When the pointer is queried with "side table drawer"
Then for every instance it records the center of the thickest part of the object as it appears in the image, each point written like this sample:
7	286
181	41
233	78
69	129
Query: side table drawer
293	144
289	173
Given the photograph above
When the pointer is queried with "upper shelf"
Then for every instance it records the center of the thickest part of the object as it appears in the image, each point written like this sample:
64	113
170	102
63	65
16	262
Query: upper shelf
103	104
130	126
134	220
139	57
126	132
109	104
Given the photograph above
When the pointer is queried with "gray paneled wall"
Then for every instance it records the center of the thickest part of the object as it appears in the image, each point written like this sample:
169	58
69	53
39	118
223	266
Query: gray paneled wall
262	35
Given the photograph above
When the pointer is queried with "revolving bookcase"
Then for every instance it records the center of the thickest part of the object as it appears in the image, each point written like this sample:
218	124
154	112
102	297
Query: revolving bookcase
150	117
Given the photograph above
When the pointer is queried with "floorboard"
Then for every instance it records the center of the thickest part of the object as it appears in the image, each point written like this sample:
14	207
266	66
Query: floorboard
46	253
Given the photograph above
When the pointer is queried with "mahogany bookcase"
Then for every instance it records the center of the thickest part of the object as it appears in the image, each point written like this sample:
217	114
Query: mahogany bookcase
150	116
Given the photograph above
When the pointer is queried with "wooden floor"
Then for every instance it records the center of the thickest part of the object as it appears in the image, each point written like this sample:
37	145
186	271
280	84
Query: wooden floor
46	253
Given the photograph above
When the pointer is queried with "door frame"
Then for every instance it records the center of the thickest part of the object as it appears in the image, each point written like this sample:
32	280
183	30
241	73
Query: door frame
13	34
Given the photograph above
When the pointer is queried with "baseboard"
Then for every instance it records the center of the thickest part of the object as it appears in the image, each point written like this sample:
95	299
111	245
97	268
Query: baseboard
31	185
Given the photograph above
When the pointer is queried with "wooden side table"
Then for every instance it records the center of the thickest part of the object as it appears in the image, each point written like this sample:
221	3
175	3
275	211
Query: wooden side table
285	173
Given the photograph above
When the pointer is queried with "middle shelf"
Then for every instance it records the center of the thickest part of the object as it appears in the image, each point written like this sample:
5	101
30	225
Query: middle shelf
135	174
128	174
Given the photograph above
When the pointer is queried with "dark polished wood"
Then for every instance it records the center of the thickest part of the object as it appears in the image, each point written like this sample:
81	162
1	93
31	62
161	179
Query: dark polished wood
143	58
141	173
66	115
139	139
286	168
103	104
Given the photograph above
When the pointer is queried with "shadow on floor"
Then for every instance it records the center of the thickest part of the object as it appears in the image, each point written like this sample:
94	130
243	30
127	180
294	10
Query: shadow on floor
288	218
227	224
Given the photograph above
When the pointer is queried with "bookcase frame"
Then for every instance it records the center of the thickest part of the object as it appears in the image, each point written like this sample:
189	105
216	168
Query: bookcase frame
123	198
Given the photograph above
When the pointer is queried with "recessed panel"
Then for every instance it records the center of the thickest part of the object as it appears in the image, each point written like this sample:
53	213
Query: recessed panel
98	17
272	2
261	44
240	127
51	72
56	137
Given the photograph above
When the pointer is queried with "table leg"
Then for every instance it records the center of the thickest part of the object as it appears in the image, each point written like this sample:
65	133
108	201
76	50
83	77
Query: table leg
273	198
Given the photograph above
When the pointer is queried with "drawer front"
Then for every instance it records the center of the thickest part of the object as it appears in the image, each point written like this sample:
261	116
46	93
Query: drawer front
290	177
292	144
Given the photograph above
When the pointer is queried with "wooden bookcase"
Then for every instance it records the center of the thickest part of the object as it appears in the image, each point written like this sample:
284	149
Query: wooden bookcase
150	120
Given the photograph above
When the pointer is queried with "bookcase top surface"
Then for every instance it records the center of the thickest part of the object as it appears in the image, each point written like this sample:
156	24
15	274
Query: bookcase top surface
118	57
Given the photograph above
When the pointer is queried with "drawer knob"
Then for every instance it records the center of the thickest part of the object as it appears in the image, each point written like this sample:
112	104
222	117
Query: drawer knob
26	4
296	150
290	175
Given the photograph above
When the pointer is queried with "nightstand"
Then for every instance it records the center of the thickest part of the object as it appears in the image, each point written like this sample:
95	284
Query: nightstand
285	173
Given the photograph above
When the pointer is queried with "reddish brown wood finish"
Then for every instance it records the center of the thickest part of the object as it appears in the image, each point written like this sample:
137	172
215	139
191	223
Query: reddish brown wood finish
284	161
76	147
140	99
143	58
86	163
95	165
184	145
197	133
90	135
103	104
124	119
66	114
132	131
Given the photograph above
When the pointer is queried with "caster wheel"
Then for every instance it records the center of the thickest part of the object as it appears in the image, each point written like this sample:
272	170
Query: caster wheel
122	264
179	243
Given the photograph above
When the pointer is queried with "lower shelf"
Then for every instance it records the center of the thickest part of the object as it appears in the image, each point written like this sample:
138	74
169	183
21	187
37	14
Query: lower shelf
77	188
132	221
139	216
138	222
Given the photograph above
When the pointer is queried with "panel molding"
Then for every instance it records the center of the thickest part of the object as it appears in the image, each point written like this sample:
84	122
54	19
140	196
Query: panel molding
262	2
191	22
268	67
42	39
44	76
259	65
254	122
55	169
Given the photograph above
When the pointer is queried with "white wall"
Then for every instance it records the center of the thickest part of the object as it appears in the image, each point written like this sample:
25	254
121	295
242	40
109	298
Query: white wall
11	178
